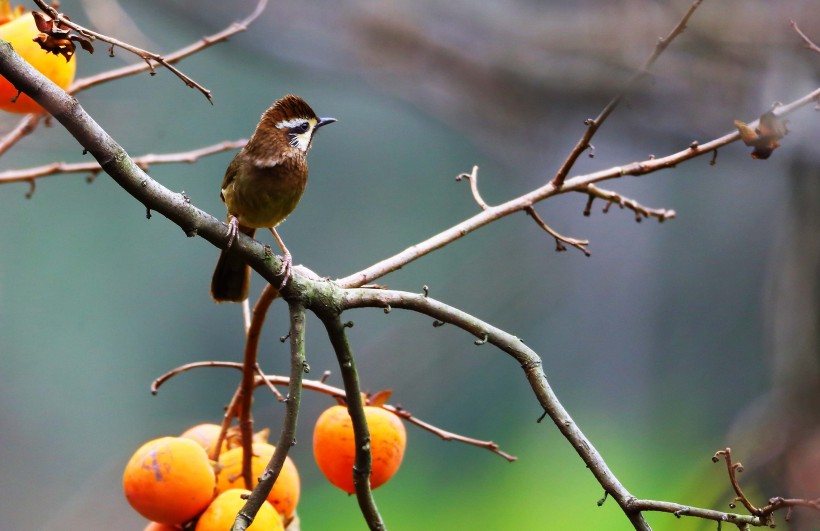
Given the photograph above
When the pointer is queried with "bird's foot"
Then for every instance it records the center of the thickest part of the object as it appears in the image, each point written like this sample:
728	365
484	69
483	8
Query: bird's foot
233	230
287	267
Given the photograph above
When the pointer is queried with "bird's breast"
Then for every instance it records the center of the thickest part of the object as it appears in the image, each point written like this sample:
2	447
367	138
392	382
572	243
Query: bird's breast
262	197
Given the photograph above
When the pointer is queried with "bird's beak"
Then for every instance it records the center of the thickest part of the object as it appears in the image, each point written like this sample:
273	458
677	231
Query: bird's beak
324	121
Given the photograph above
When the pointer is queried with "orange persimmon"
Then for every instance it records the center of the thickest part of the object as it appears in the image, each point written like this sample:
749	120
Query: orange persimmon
221	513
169	480
284	495
335	450
18	27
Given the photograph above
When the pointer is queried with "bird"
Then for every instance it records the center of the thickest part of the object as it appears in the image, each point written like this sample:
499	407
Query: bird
262	186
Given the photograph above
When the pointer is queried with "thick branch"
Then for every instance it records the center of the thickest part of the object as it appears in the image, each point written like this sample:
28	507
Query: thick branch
287	437
114	160
530	363
361	434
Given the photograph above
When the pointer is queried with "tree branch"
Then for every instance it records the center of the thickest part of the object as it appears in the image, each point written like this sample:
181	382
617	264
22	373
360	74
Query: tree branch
578	183
28	123
327	299
808	43
287	436
94	168
530	363
594	124
272	380
25	126
145	55
362	465
171	58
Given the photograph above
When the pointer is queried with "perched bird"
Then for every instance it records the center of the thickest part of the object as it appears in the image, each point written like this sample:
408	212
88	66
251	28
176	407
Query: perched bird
262	186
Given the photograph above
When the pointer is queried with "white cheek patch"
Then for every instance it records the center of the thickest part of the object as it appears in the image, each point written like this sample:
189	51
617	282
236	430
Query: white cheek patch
301	141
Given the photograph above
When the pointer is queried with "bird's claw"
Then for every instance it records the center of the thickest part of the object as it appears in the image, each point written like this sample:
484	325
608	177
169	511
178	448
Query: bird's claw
233	230
287	267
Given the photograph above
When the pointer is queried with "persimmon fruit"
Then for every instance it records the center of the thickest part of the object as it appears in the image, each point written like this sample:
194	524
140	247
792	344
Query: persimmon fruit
206	436
334	447
284	495
18	27
156	526
169	480
221	513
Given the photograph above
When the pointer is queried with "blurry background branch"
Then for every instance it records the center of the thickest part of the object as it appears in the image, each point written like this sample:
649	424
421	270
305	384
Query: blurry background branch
93	168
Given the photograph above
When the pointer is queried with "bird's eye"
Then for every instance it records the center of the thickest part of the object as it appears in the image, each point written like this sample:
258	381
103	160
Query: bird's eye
304	126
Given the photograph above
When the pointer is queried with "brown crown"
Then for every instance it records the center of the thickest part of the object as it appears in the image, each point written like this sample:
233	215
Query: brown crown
287	108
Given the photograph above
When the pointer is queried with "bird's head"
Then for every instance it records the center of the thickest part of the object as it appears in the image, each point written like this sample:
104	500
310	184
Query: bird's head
291	123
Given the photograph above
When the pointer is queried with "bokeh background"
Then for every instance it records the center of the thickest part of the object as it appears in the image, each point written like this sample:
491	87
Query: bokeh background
670	342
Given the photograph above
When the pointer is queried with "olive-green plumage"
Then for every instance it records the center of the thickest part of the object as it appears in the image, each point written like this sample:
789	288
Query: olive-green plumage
262	186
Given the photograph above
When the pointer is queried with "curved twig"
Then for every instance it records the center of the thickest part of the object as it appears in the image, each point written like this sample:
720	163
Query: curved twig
272	380
808	43
560	240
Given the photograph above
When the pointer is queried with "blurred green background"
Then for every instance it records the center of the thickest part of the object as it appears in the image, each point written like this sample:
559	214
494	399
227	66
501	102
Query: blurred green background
670	342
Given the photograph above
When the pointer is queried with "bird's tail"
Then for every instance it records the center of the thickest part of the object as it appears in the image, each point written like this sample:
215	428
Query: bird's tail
232	276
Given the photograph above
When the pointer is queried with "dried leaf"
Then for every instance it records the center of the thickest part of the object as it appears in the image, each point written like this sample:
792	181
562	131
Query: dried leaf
57	46
44	24
379	398
84	42
764	137
56	37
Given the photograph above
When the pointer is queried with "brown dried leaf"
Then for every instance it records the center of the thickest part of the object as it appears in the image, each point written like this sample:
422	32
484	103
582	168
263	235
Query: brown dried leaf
764	137
379	398
44	24
84	42
57	46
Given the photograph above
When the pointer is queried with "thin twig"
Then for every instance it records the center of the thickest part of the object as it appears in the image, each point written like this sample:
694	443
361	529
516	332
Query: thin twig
221	36
28	123
25	126
579	183
260	310
764	514
806	41
473	178
641	211
145	55
261	376
581	245
93	168
449	436
594	124
272	380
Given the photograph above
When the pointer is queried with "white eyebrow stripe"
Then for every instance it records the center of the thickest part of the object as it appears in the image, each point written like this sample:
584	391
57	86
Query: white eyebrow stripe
287	124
